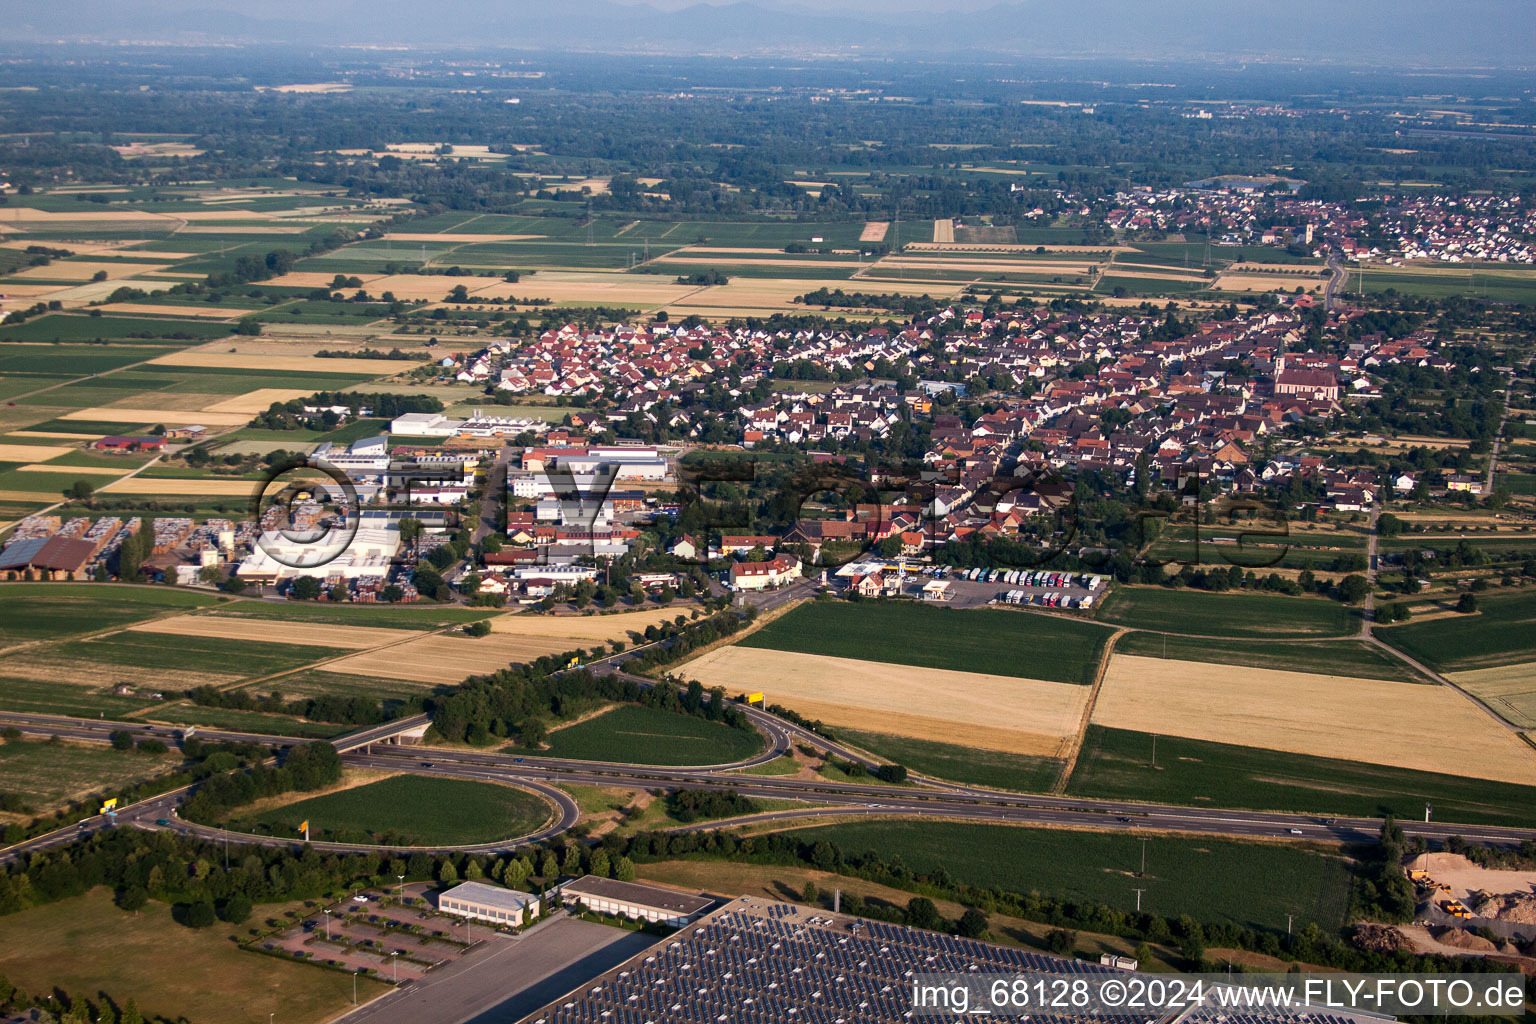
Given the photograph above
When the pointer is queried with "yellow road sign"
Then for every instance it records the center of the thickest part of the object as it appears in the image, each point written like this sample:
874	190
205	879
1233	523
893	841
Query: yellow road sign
754	698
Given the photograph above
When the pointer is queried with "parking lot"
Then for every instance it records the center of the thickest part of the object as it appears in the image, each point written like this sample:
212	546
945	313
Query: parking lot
1053	590
395	942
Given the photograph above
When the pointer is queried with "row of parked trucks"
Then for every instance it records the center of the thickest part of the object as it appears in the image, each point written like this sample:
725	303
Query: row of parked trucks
1047	600
1032	578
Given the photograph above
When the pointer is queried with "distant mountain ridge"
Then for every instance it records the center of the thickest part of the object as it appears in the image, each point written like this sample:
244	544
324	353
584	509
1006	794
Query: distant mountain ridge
1473	33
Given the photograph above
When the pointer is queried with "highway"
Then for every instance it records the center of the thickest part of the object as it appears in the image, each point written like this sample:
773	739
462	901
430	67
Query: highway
923	798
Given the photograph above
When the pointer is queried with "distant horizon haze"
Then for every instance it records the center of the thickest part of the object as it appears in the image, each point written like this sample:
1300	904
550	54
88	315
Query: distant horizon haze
1400	34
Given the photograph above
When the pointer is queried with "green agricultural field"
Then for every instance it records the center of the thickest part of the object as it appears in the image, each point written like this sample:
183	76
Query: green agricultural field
251	657
54	611
187	713
1518	483
406	810
320	683
85	944
1501	632
960	764
391	616
1117	764
47	775
634	734
1228	614
1211	880
72	360
73	327
59	698
1336	657
1005	643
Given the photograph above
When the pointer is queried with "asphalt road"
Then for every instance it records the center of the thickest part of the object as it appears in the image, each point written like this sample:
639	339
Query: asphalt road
955	802
924	799
1339	277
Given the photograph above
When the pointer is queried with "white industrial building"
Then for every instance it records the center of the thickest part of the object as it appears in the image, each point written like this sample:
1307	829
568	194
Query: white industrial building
435	424
490	903
634	900
370	553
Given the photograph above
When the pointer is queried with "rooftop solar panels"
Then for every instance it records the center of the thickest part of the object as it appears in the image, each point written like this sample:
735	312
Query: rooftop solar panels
755	962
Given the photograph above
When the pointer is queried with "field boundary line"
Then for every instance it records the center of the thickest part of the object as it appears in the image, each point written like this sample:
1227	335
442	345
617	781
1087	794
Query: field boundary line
730	641
1069	758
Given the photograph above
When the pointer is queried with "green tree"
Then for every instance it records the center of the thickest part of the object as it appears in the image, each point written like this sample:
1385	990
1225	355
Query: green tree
200	915
410	530
304	588
973	924
236	909
624	869
1466	604
1353	589
921	913
810	894
131	898
447	874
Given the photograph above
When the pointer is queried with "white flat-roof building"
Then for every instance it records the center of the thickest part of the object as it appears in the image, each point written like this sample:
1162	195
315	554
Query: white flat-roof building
371	552
634	900
490	903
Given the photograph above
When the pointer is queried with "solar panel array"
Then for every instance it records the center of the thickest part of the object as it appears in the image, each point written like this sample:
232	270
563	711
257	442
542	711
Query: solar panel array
775	964
1215	1015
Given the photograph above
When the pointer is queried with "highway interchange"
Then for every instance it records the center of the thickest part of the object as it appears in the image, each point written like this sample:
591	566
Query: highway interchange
922	798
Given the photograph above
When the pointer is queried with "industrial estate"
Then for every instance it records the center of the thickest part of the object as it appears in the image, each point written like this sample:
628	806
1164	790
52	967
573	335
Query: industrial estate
710	540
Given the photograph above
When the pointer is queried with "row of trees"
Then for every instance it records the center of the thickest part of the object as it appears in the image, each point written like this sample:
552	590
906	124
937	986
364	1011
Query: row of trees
522	699
310	767
325	708
290	415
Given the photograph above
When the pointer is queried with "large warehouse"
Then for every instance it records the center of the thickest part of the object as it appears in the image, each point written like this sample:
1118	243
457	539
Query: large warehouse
634	900
490	903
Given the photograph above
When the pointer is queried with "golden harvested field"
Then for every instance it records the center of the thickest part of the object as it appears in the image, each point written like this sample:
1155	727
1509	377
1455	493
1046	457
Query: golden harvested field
309	634
28	290
315	279
580	630
20	216
874	231
1020	716
427	286
201	312
256	401
1265	283
595	288
118	414
62	435
687	256
30	452
246	229
213	487
514	638
80	270
294	364
184	401
1036	267
943	231
1430	729
1508	689
772	295
43	467
66	671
